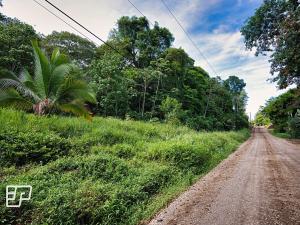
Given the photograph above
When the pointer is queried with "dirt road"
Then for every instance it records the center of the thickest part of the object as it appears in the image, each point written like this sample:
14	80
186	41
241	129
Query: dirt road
258	184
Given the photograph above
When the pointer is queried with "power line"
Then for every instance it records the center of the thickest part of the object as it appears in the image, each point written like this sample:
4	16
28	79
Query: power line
186	33
139	11
63	21
86	29
188	36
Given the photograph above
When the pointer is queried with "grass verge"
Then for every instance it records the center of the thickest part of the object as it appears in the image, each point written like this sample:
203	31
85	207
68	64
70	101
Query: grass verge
103	172
280	135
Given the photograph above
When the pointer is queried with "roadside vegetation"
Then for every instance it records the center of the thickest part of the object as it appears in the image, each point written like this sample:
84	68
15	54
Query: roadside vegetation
274	31
280	134
284	111
143	78
283	114
137	147
107	171
56	86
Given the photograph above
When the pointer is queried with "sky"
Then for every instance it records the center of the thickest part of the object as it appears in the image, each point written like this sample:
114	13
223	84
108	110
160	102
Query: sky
212	24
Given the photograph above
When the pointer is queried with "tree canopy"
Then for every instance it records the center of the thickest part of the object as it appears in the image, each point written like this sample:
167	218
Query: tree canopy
15	44
275	28
282	110
146	79
152	80
79	49
140	43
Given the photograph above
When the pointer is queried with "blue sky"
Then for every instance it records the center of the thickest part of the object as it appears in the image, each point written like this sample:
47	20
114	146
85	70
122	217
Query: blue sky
213	24
229	14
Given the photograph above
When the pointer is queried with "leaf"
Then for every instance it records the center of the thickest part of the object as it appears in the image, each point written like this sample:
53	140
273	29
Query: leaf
76	107
10	80
10	97
27	80
76	89
42	70
57	78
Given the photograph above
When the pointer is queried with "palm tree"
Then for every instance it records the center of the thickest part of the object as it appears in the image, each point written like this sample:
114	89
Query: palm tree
55	86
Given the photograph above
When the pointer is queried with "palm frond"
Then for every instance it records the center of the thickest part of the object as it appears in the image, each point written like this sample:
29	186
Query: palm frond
76	107
75	89
58	59
57	77
56	84
26	76
27	80
42	70
7	83
55	55
6	74
11	98
10	80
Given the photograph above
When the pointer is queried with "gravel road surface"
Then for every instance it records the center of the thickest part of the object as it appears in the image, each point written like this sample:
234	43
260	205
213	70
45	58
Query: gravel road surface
257	184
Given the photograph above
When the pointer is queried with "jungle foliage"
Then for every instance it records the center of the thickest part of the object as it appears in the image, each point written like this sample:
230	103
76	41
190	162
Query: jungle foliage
275	29
284	112
147	79
54	86
107	171
151	80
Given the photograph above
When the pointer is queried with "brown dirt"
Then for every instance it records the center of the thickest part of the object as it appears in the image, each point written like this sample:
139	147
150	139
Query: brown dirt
257	184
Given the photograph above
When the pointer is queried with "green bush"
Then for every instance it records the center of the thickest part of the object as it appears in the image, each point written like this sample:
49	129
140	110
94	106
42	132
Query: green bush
172	110
18	148
125	151
294	125
103	172
183	154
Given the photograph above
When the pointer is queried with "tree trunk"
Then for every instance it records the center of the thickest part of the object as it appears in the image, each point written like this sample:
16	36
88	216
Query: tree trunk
144	97
156	92
208	99
40	107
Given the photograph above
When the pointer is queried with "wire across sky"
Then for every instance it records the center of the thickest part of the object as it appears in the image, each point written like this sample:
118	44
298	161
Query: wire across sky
109	45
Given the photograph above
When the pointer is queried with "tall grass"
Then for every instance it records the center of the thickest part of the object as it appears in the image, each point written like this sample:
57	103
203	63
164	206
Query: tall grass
103	172
280	135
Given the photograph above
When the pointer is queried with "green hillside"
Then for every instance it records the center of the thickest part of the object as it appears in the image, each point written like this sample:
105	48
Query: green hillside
107	171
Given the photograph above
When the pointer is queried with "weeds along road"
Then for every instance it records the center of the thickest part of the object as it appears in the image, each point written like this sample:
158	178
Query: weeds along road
258	184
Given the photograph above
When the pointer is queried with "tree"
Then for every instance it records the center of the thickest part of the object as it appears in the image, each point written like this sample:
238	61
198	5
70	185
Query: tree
112	88
236	87
172	110
275	27
294	125
282	108
234	84
54	86
161	69
150	77
144	90
141	44
179	64
15	44
261	119
79	49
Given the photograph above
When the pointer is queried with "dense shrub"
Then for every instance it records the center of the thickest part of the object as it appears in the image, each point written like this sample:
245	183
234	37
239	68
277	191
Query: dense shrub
183	154
294	125
19	148
102	172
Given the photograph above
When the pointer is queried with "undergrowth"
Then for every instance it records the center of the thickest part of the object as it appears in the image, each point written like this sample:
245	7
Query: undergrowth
106	171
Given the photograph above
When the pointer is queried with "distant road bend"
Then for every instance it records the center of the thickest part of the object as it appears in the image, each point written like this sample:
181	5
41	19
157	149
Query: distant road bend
257	184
